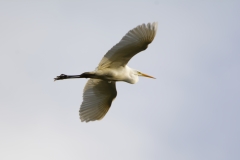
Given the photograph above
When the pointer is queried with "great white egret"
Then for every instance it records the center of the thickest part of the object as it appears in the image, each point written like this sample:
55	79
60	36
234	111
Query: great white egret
100	90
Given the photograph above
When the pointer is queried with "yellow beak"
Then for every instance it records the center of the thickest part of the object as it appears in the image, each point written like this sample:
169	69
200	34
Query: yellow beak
145	75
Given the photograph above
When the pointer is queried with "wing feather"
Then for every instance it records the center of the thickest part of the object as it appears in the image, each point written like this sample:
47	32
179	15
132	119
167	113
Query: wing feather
97	99
135	41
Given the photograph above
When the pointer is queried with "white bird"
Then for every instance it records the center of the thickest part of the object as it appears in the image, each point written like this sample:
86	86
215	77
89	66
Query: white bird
100	90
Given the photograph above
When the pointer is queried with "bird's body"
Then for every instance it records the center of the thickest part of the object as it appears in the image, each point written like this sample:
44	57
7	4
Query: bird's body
123	73
100	90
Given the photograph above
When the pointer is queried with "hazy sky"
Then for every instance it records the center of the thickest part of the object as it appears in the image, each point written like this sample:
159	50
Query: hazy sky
190	112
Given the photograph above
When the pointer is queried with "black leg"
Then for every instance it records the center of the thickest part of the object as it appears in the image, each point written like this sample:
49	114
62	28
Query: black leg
63	76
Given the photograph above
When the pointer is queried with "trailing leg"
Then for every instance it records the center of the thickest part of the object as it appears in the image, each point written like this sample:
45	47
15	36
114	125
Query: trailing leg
83	75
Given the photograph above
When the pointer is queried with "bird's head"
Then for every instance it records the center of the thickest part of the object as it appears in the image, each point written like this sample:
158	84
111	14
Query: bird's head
135	74
143	74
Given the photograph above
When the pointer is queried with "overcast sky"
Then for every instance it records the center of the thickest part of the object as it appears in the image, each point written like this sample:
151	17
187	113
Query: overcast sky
190	112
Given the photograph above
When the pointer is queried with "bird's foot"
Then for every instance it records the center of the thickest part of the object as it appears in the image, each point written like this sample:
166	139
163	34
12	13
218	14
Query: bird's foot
61	77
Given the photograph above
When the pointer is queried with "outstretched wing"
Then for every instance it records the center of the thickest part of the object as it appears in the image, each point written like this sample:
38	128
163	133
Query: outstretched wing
135	41
97	99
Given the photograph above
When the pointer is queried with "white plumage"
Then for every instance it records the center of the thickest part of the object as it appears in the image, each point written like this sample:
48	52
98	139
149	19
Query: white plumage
97	99
100	90
135	41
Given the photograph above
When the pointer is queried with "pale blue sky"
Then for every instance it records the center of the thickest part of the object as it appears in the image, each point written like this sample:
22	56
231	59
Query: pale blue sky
191	111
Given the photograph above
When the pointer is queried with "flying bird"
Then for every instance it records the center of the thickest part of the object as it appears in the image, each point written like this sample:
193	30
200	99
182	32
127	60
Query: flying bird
100	89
